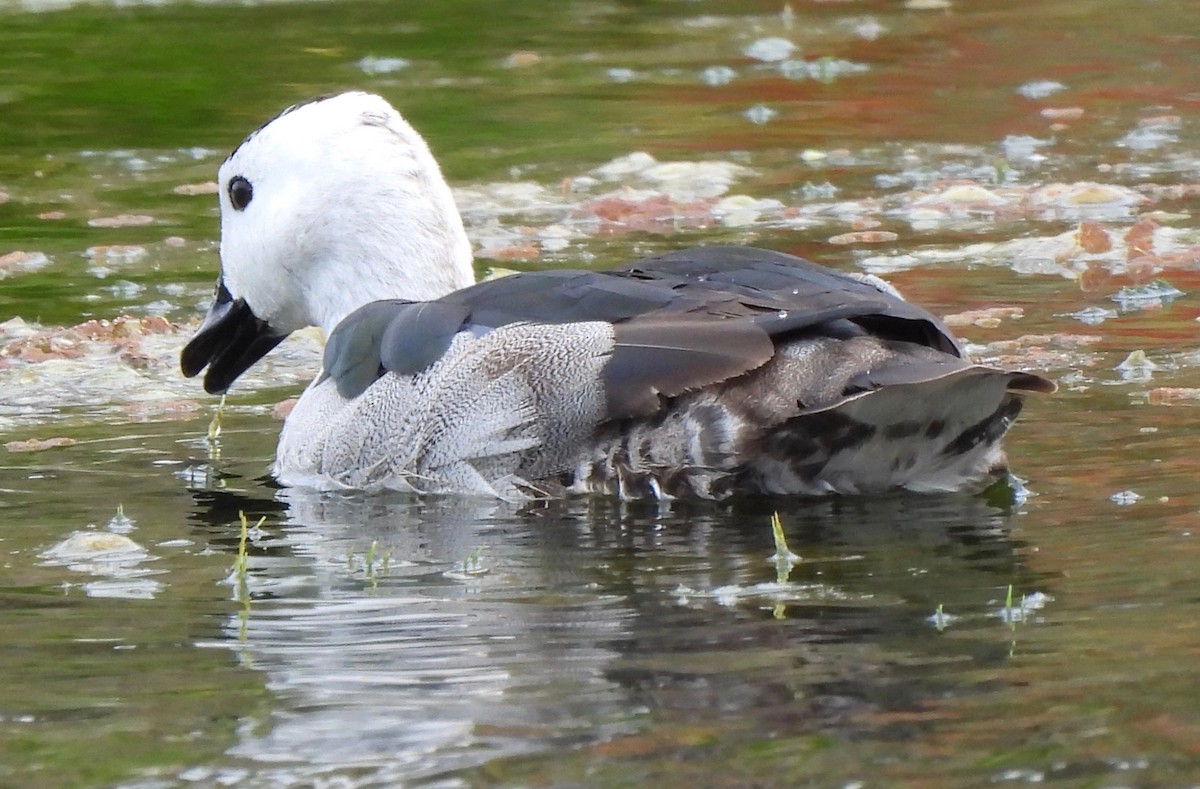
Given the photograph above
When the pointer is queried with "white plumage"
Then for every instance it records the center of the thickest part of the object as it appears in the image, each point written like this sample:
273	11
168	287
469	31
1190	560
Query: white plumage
703	373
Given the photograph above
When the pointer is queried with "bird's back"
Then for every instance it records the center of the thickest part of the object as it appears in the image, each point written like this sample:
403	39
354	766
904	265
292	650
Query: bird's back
703	372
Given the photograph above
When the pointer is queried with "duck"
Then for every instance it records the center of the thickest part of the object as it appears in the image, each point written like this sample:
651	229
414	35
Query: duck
702	373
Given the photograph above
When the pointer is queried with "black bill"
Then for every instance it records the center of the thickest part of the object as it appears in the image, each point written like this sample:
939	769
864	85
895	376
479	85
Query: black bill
228	342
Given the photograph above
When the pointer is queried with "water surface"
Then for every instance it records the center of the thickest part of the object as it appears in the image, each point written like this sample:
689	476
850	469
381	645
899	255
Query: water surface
1028	169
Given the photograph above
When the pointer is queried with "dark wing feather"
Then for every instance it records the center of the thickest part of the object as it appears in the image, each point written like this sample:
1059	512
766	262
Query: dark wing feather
559	296
668	357
681	321
1029	382
671	354
915	365
913	368
713	282
765	279
402	336
419	334
352	349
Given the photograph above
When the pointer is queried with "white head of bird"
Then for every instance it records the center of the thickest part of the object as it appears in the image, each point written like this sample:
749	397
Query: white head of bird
332	204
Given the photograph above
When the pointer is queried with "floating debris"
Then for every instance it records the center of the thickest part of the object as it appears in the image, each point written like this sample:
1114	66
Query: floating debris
1084	199
811	191
821	69
1062	114
123	588
759	114
102	549
717	75
963	198
374	66
115	254
21	262
743	210
522	59
1149	296
769	50
1152	133
1092	316
681	181
620	74
867	28
124	289
1125	498
769	593
1013	611
630	164
120	523
113	556
1040	89
1136	367
940	619
1022	147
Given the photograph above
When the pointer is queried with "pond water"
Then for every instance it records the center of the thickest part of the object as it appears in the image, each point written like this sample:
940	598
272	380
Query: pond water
1028	169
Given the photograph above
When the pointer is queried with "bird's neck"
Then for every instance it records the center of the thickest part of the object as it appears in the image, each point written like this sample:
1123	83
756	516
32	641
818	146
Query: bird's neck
420	273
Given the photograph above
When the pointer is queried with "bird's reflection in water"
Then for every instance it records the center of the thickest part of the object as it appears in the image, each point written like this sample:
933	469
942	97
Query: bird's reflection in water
407	637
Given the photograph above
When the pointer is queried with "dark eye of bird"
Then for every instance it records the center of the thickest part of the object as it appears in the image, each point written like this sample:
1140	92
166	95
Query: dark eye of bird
240	192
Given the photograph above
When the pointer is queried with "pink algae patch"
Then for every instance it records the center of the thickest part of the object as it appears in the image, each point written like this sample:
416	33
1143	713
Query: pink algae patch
521	250
202	188
1062	113
1139	239
39	444
522	59
1042	351
121	220
1173	395
123	335
987	318
658	213
864	237
162	409
1092	238
284	407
